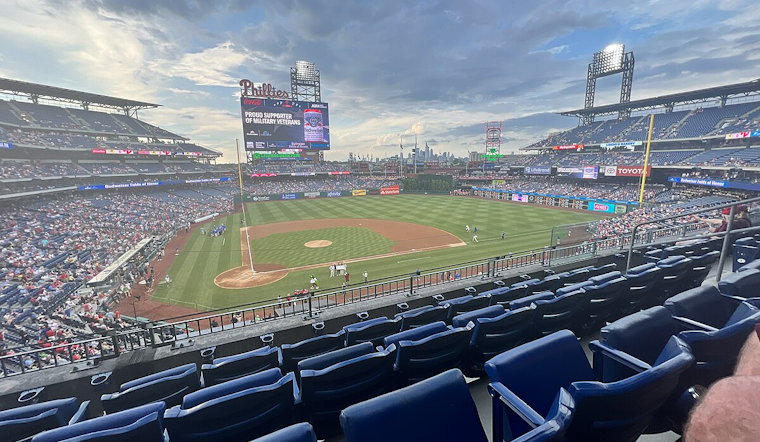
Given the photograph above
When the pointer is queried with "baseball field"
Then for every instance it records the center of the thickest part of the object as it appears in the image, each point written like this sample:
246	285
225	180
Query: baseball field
288	241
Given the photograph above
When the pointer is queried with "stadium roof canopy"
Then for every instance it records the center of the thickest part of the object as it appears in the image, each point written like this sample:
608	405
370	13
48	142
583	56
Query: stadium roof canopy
671	100
34	92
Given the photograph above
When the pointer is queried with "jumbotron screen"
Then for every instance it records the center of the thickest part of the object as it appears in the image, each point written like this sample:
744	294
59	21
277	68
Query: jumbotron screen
270	124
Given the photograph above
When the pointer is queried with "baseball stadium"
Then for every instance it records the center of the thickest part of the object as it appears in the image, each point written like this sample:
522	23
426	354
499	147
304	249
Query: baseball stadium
599	283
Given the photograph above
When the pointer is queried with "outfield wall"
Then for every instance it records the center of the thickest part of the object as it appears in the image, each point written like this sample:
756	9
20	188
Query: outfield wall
564	201
388	190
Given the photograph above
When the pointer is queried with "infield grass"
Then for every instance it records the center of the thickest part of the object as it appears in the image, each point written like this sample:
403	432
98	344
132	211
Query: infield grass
527	227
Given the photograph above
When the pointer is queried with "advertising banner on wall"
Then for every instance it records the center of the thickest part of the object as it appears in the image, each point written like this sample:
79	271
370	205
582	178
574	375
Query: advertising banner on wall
632	170
537	170
601	207
621	144
289	196
311	194
4	145
390	190
334	193
590	172
360	192
609	170
520	198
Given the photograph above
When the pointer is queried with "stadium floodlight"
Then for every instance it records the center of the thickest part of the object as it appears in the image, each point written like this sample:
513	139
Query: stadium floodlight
610	61
305	70
305	82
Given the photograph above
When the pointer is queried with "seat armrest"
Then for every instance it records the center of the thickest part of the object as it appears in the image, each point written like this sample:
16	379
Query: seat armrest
172	412
605	351
690	324
514	403
82	414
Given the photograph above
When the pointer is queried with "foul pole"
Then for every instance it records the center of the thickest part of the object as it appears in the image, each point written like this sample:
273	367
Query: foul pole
646	161
242	203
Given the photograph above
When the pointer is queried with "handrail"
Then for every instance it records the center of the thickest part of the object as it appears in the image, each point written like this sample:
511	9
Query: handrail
726	239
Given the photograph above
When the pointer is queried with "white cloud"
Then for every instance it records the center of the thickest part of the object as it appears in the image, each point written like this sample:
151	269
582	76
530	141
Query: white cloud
209	67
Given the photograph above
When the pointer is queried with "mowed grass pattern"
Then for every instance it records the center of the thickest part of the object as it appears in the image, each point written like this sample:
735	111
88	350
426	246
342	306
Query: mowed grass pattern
288	249
526	226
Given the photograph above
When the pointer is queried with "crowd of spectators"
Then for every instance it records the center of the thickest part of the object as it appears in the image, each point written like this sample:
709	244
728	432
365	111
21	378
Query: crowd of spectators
316	184
298	167
554	186
51	248
10	169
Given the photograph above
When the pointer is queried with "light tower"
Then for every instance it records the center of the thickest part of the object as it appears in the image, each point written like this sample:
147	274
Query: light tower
305	82
610	61
493	137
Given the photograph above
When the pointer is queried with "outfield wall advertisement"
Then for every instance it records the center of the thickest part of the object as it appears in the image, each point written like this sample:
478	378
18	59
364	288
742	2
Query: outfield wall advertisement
388	190
563	201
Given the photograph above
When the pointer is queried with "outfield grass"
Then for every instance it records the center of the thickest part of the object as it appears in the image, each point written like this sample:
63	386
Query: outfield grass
203	258
288	249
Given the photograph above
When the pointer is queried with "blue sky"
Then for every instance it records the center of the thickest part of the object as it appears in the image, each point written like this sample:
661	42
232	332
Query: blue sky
438	69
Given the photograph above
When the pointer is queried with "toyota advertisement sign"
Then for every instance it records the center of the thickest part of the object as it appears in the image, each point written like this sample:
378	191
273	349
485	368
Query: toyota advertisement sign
626	170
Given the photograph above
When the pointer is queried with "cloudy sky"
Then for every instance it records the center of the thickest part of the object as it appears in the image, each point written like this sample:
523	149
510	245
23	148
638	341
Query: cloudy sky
439	69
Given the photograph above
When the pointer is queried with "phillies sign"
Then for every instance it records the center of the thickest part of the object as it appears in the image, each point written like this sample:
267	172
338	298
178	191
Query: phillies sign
266	90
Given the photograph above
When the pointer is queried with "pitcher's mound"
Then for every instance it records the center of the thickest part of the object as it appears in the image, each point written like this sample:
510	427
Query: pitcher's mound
318	243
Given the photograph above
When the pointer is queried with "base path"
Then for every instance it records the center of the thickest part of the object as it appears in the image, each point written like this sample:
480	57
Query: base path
408	238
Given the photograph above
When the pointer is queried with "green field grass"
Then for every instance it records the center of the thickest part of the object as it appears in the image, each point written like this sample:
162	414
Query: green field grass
288	249
203	258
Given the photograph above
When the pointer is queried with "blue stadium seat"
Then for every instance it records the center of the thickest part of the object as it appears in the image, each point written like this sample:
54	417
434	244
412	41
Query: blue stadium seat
239	365
528	300
548	284
503	296
576	276
144	423
335	380
421	316
601	299
573	287
22	423
745	284
292	354
168	386
496	330
236	410
642	281
428	350
745	251
373	330
464	304
302	432
675	269
642	334
551	428
435	409
620	410
601	270
754	265
562	312
700	268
